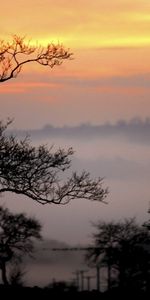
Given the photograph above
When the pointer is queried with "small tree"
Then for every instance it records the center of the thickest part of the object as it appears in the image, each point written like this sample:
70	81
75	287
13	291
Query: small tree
16	274
101	254
17	234
126	254
38	173
15	54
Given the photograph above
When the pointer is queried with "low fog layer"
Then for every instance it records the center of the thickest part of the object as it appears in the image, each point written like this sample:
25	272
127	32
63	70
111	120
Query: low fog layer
52	263
135	131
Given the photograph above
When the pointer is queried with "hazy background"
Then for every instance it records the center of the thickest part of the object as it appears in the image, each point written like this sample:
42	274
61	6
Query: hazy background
81	103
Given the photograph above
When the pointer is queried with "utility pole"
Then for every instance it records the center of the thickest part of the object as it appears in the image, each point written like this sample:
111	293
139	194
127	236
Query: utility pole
98	277
77	273
88	278
81	272
82	278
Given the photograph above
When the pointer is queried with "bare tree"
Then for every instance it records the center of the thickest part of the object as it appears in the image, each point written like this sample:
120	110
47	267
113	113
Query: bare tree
38	173
15	54
34	172
17	234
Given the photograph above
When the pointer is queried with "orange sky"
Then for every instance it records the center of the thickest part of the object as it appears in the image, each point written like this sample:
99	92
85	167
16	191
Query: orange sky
80	24
110	39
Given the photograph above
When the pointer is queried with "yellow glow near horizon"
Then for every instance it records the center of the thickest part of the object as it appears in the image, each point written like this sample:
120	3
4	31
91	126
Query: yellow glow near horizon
92	42
95	42
140	17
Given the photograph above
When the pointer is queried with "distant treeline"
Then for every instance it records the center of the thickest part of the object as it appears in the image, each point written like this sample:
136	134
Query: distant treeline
136	130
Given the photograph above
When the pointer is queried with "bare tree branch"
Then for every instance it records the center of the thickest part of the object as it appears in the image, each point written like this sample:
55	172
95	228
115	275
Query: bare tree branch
15	54
39	173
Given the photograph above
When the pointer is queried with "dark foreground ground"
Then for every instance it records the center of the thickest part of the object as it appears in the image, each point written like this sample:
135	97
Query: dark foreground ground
46	293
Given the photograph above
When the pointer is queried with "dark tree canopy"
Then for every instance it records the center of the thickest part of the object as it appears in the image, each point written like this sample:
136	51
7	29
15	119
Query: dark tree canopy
39	172
15	54
17	234
123	248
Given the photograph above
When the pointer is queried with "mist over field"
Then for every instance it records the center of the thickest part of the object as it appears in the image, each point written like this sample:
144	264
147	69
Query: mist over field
117	152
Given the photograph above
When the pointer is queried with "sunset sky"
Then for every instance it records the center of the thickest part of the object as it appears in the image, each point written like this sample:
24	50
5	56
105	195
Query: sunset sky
108	80
109	76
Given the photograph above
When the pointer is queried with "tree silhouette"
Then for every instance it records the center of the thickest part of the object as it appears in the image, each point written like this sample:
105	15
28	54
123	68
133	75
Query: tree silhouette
38	173
32	171
16	274
123	247
15	54
101	253
17	234
147	223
